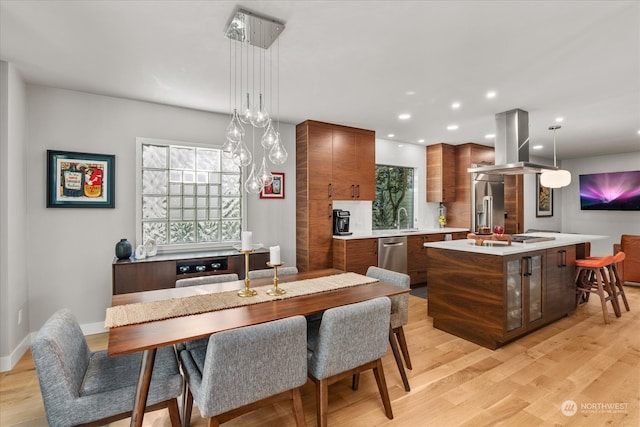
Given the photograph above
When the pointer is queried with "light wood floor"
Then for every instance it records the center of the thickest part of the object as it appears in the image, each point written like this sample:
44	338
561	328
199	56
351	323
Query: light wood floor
454	382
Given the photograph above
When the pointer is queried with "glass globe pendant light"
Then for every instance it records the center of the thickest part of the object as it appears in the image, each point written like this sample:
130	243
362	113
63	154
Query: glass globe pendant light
269	137
260	117
555	178
263	174
246	112
228	148
235	131
278	155
253	185
241	156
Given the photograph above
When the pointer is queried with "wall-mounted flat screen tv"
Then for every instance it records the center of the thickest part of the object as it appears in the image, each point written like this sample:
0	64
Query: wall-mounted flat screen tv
614	191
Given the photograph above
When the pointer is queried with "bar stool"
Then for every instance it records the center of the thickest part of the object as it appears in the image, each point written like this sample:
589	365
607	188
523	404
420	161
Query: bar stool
616	282
591	277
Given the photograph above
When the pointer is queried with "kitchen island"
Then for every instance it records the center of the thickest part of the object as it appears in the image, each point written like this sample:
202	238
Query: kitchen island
495	293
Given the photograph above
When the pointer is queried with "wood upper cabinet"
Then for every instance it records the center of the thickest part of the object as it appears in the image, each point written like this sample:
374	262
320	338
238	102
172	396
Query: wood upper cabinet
441	173
355	255
353	164
319	163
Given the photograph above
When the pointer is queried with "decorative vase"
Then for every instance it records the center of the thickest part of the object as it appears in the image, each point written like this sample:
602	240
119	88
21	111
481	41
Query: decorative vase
123	249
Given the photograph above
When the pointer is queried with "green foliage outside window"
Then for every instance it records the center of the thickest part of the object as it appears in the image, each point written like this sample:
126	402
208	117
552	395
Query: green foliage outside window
394	190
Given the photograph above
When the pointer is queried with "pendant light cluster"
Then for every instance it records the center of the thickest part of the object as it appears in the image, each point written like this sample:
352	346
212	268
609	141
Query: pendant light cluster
252	98
555	178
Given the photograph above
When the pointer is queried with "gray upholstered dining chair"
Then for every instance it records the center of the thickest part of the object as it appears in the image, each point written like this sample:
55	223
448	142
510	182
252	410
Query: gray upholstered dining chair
246	368
206	280
268	272
348	340
399	318
79	386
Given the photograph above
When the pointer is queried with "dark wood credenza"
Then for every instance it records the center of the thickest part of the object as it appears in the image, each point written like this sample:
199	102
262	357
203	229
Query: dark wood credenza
162	271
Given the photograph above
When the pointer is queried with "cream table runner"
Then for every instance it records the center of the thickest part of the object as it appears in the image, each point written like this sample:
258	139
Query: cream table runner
150	311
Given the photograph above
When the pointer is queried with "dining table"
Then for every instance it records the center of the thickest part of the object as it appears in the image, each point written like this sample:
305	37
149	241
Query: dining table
147	337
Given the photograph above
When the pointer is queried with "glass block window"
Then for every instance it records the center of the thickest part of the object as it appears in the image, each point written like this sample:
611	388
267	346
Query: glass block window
189	195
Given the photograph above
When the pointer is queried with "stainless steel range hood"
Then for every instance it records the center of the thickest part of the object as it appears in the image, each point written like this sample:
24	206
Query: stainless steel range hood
512	146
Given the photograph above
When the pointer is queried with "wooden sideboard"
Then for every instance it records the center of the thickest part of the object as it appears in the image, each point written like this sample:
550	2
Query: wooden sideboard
162	271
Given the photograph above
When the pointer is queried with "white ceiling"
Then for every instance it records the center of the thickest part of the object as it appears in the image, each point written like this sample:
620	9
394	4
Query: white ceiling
355	62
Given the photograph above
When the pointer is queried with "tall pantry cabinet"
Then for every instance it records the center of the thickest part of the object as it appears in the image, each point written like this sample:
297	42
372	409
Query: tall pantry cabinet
333	162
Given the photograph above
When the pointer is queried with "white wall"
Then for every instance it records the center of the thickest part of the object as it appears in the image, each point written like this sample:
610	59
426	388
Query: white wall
71	250
14	259
607	223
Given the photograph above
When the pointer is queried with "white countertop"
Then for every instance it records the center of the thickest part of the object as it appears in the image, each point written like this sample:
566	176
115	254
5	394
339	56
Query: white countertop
392	233
501	248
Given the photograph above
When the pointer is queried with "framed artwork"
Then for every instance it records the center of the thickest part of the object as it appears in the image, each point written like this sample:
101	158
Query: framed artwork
544	199
80	180
275	190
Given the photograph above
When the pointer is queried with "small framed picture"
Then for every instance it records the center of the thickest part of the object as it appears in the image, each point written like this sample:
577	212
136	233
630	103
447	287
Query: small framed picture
80	180
275	190
544	199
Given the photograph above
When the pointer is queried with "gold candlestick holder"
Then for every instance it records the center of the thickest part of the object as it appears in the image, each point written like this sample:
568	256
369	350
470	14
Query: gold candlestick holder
246	292
275	290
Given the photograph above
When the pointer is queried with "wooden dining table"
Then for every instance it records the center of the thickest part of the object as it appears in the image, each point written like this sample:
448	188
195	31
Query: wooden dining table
148	337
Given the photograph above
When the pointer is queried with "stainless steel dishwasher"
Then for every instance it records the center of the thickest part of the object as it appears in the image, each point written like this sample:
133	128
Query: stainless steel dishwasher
392	253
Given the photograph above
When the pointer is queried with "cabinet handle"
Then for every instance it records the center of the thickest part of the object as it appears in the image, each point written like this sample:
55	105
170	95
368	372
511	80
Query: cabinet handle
329	211
527	266
375	247
358	191
564	257
330	190
353	191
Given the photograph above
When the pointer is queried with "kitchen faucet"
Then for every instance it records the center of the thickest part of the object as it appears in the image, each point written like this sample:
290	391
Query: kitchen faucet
398	218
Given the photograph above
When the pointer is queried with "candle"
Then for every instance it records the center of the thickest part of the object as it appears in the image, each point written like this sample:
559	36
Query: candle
274	255
247	245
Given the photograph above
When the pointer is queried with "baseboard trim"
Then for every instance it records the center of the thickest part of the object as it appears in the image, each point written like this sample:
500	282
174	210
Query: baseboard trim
8	362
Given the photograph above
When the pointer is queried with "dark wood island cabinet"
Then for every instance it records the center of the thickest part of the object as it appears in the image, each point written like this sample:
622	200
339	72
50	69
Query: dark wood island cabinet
493	295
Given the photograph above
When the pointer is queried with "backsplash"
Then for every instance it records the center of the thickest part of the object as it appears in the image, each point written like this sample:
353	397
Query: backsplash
360	220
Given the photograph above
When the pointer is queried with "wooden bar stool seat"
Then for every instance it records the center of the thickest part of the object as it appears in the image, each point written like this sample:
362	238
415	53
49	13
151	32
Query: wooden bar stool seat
592	277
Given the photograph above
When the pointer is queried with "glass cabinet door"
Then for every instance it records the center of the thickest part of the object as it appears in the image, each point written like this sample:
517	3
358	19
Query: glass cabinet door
534	277
514	294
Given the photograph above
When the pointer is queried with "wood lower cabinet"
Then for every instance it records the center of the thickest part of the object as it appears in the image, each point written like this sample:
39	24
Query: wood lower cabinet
560	297
355	255
492	300
161	272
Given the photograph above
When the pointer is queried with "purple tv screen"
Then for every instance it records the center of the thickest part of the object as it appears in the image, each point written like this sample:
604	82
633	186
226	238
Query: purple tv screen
614	191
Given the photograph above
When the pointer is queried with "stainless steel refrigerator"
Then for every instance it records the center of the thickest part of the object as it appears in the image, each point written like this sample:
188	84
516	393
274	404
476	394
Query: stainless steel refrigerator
487	200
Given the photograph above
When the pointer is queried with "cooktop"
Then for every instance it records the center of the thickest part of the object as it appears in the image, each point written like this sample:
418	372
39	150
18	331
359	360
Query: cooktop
523	238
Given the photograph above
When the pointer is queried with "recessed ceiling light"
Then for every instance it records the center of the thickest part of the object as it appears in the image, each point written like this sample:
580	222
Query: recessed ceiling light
490	135
390	135
400	145
422	140
559	119
452	127
537	147
404	116
410	92
455	105
638	132
491	94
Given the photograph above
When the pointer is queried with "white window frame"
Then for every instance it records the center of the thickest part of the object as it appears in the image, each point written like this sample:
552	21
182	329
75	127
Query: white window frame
183	247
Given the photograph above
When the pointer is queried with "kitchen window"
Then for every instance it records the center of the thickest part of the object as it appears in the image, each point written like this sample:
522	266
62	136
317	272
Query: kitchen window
394	197
189	196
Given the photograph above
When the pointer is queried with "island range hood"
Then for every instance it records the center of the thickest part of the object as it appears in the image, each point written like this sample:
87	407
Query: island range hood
512	146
